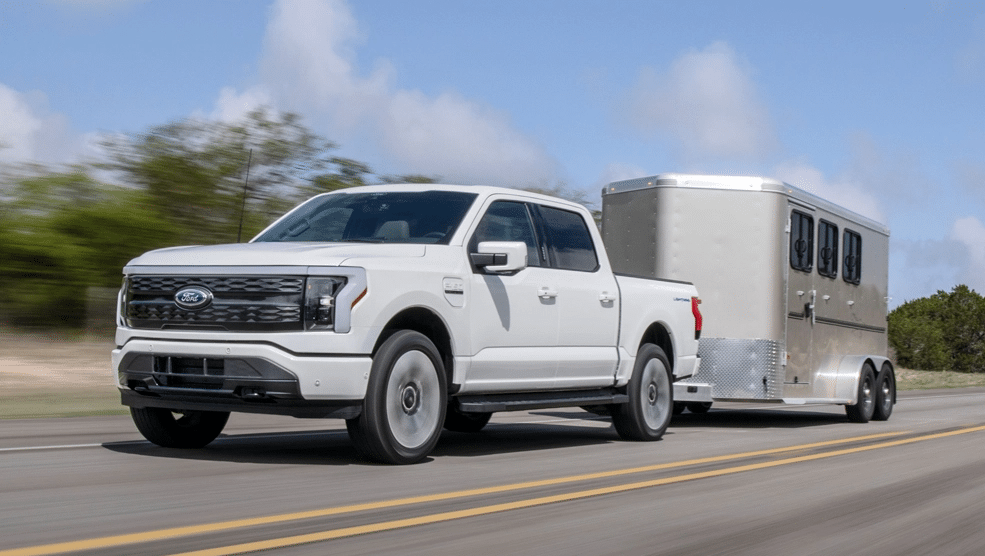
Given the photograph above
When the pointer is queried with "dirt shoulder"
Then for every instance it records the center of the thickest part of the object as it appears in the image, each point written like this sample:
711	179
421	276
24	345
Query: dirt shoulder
45	375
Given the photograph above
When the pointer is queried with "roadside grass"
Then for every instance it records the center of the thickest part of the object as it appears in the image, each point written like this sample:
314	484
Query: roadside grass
84	402
907	379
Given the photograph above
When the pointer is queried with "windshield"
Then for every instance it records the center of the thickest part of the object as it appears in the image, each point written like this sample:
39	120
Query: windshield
384	217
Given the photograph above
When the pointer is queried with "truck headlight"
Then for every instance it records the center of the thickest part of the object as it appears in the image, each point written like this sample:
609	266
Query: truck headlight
319	302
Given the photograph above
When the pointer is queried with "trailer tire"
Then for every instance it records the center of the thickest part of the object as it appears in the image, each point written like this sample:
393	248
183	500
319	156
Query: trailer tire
461	421
651	397
864	408
192	429
405	403
885	394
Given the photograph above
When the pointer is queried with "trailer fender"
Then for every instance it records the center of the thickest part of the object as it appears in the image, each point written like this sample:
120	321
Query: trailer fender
850	372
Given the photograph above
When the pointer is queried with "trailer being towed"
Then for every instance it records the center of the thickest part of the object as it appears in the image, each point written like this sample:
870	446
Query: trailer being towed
793	287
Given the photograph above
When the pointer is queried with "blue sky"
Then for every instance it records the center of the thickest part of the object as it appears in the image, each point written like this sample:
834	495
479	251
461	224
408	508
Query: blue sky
875	105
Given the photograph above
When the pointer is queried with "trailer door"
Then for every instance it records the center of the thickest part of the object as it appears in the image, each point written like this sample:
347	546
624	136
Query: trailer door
801	297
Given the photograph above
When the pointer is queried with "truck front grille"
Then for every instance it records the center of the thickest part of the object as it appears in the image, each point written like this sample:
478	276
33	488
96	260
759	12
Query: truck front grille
238	303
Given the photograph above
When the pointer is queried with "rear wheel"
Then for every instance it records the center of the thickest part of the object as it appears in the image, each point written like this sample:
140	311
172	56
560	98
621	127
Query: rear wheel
405	401
864	408
698	407
189	429
885	394
461	421
651	397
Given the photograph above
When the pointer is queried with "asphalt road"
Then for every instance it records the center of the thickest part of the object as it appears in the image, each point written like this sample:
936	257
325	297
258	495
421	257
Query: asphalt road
757	480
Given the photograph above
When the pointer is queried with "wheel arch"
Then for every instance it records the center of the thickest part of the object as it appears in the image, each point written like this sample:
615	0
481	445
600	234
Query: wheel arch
428	323
658	334
850	373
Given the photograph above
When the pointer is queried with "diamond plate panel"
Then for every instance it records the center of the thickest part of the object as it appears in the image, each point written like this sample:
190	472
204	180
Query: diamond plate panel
740	368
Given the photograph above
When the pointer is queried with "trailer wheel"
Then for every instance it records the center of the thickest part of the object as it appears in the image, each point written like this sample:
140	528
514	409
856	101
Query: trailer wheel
461	421
698	407
405	401
651	397
862	411
885	394
189	429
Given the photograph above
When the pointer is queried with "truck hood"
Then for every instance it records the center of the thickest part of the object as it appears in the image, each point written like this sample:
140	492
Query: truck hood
274	254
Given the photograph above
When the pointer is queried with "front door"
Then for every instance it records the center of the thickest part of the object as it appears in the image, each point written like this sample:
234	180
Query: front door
514	317
801	300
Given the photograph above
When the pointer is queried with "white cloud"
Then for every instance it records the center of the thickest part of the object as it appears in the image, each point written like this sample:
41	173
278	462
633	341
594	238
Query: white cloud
970	232
309	66
845	192
30	132
708	102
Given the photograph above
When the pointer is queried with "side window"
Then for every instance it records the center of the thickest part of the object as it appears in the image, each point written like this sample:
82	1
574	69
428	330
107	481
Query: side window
827	249
570	242
801	241
852	272
507	221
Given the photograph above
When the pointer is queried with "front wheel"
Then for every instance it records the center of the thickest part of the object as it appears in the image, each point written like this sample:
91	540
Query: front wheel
189	429
405	401
864	408
651	397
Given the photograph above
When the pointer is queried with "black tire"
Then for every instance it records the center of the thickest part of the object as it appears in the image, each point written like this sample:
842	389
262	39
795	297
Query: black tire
651	397
189	429
405	403
461	421
698	407
679	407
885	393
862	411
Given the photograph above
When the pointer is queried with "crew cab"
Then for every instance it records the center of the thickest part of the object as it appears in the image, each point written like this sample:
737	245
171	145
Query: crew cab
403	309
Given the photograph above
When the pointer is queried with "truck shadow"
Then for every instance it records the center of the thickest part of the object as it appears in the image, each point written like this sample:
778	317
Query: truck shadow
333	447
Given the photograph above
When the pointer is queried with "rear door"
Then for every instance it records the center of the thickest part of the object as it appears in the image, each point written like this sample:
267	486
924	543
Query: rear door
587	301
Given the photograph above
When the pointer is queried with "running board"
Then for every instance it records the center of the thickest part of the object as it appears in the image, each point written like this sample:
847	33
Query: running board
489	403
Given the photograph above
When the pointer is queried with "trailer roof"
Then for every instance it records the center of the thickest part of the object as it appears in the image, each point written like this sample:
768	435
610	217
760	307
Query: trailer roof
741	183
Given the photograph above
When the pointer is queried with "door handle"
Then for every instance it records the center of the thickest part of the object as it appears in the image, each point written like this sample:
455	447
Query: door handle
606	297
546	292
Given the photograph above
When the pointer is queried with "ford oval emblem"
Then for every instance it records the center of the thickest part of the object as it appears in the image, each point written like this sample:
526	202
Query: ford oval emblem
193	298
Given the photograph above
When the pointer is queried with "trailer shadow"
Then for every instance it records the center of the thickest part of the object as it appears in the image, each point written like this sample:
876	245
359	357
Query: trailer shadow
758	419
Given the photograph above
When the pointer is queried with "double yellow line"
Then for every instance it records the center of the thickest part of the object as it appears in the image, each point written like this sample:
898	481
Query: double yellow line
175	532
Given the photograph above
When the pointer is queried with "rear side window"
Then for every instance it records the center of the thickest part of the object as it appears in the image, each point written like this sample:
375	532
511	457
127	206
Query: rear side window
827	249
852	272
569	240
801	241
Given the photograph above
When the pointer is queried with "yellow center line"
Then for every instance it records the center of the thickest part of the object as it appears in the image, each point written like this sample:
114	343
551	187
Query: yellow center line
174	532
544	500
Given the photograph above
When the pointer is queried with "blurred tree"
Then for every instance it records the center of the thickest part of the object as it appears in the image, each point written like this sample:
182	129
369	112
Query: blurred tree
943	331
194	171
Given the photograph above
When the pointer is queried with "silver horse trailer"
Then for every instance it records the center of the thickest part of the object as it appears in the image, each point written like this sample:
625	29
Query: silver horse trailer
793	287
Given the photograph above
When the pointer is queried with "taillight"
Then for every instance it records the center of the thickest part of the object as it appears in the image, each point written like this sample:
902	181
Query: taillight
697	317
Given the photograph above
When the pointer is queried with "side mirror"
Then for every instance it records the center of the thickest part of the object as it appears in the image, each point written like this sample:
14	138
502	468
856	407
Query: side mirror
500	256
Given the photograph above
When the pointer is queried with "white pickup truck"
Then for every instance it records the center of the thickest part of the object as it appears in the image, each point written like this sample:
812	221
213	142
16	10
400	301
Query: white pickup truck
401	309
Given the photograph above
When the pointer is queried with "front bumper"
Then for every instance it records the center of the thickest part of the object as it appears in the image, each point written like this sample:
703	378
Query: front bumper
247	377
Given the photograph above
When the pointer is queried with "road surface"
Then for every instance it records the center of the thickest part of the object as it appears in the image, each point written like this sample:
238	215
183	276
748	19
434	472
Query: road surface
742	479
